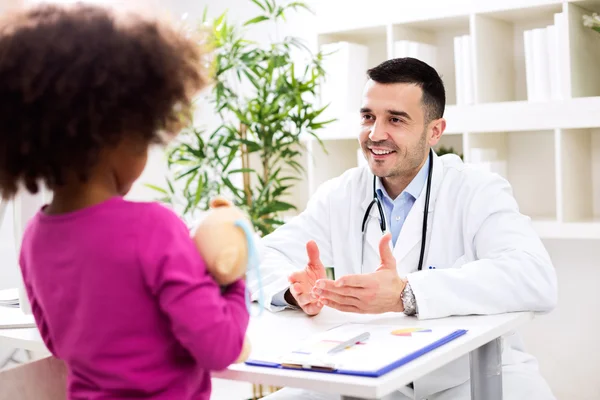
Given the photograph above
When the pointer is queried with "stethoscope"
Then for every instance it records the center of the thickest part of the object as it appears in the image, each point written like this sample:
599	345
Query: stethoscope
382	223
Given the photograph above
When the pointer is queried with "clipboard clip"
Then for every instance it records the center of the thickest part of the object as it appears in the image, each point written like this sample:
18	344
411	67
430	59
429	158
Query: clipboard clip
310	367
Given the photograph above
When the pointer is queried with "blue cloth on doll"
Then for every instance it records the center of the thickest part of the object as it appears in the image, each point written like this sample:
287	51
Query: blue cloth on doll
253	264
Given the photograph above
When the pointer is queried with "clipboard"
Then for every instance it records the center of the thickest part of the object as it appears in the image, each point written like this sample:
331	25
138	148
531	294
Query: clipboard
388	347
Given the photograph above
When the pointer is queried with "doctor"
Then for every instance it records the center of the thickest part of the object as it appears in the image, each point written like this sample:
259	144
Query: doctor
415	233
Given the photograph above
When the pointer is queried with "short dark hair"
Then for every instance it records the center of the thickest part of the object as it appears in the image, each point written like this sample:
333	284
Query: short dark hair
411	70
76	79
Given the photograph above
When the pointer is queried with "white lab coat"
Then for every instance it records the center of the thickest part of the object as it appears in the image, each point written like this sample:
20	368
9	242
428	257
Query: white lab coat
486	257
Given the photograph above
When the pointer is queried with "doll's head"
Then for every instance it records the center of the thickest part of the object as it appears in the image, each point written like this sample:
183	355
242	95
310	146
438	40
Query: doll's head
222	242
224	239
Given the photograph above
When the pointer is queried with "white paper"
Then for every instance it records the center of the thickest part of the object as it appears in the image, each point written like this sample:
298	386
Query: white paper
421	51
541	77
401	49
458	72
528	47
467	69
553	73
562	59
413	49
387	344
428	54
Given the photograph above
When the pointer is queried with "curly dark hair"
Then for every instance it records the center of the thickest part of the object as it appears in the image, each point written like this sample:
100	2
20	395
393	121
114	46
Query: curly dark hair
76	79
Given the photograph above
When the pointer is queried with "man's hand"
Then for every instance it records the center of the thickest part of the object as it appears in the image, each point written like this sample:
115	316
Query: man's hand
373	293
302	282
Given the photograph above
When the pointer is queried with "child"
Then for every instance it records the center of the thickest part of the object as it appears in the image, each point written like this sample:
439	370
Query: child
117	288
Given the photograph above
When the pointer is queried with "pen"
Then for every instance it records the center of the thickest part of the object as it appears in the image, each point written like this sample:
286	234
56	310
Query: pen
350	342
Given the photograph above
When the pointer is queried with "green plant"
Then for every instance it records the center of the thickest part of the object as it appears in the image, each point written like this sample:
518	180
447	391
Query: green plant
592	22
265	100
441	150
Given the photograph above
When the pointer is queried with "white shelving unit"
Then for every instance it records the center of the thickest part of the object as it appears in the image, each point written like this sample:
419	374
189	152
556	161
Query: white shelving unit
549	150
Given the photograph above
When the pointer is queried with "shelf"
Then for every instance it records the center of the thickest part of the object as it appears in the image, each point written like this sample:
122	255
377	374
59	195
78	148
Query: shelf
494	117
298	194
439	9
524	115
584	51
524	13
453	142
521	158
590	5
347	57
440	34
341	155
500	53
374	38
333	16
578	183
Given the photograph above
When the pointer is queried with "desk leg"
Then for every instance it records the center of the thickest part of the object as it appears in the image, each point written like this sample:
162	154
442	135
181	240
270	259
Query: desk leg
486	371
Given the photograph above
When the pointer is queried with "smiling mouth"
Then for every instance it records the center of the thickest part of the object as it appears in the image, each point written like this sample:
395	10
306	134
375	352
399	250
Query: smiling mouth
381	152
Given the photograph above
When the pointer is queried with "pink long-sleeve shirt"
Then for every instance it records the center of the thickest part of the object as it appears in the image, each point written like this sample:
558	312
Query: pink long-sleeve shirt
120	293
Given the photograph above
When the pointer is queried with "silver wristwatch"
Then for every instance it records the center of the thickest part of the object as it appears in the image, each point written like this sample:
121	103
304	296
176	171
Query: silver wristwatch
408	299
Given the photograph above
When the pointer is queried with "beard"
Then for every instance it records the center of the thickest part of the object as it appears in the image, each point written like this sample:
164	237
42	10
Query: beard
407	159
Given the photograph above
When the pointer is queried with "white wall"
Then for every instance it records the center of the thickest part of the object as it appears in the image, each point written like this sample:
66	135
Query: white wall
8	262
566	340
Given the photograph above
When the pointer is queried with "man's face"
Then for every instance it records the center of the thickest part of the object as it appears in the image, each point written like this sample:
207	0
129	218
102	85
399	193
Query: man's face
393	133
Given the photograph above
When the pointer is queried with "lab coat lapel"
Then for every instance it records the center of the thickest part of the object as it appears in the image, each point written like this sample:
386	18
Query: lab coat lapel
412	230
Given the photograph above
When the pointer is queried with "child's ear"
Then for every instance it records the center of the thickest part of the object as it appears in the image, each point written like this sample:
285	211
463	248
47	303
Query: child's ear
220	202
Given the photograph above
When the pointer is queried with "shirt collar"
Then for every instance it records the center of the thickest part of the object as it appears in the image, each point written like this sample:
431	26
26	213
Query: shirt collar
414	188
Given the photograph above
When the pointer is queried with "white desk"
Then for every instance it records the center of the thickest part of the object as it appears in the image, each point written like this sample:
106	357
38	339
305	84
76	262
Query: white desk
23	338
275	331
19	338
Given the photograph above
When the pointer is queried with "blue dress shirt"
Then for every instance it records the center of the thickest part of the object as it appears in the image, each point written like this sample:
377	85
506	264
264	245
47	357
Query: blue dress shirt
396	210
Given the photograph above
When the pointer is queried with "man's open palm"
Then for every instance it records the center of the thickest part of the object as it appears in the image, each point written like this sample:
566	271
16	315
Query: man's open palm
302	282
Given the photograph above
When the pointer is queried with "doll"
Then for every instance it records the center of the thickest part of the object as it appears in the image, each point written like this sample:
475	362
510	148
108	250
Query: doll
224	238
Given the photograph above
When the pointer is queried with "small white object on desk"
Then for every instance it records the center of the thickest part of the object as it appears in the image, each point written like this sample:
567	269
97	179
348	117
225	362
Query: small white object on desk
12	317
18	331
9	298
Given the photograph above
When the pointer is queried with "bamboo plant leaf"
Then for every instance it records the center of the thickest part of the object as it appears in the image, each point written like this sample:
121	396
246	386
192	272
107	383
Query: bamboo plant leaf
199	191
270	5
241	171
298	4
278	206
158	189
259	4
256	20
